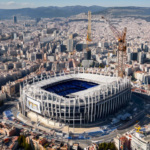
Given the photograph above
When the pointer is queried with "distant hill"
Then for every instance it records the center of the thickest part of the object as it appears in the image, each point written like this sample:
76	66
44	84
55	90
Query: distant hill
125	11
67	11
48	12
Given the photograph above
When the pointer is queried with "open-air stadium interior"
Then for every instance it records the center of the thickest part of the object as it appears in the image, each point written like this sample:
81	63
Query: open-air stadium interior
81	107
68	87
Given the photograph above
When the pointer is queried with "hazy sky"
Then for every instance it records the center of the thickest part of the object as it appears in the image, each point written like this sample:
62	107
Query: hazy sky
7	4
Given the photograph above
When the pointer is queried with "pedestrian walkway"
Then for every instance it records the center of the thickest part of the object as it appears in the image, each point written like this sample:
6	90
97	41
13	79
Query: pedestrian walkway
28	122
63	129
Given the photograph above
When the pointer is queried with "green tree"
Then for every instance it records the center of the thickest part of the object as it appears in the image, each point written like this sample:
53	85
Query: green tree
22	143
80	65
28	147
133	77
106	146
101	65
19	141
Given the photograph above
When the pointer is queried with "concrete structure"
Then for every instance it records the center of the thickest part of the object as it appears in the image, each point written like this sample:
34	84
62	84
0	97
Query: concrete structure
137	142
81	107
133	141
39	142
10	143
70	45
87	63
87	55
92	147
10	88
7	129
2	96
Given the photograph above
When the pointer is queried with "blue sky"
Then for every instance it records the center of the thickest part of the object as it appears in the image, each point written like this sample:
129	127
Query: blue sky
8	4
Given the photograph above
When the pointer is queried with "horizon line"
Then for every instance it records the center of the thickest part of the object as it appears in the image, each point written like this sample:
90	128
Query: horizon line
75	5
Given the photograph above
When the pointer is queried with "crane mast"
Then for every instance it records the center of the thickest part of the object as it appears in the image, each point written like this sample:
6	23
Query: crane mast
88	39
121	37
122	55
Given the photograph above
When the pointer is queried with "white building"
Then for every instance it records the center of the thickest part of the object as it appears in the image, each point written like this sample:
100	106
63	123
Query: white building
134	141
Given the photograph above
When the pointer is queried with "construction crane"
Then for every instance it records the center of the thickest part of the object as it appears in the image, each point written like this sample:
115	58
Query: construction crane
138	129
88	39
121	37
39	69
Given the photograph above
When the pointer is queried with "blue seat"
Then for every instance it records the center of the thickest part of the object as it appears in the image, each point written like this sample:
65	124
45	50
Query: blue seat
66	88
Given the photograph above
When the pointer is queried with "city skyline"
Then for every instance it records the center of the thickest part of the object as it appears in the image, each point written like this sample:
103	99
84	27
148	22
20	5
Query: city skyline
75	74
15	4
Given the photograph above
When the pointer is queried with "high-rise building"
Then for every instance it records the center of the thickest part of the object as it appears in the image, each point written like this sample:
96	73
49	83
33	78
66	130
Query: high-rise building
70	45
13	35
140	57
15	19
130	56
87	55
135	56
142	46
71	36
146	48
55	33
38	19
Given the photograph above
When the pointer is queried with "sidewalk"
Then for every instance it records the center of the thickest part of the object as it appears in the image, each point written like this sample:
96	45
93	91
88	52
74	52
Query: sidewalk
28	122
63	129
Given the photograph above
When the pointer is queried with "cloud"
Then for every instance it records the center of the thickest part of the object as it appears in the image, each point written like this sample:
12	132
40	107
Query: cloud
25	3
11	3
14	5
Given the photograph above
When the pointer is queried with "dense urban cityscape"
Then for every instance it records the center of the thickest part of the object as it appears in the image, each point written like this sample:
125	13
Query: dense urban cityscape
77	82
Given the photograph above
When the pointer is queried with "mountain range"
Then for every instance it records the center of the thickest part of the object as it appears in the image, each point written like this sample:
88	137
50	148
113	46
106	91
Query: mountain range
125	11
48	12
51	11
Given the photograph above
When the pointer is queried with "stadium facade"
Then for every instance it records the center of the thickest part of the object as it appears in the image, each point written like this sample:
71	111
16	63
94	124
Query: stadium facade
77	97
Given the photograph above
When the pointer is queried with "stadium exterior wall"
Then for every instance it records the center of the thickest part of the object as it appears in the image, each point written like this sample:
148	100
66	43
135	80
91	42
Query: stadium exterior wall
82	109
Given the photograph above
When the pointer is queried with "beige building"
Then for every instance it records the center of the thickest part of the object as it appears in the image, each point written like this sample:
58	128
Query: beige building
7	129
2	96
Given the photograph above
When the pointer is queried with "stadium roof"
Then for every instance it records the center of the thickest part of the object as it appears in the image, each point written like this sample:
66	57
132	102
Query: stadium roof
99	79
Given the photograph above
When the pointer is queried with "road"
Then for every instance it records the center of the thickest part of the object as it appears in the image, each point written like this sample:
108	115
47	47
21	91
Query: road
83	143
138	103
105	138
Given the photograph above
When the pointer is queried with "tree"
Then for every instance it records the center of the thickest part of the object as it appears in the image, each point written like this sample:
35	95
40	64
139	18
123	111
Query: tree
80	65
106	146
28	147
133	77
19	140
101	65
22	143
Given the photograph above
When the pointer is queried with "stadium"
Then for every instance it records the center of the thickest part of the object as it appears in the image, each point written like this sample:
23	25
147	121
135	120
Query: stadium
77	97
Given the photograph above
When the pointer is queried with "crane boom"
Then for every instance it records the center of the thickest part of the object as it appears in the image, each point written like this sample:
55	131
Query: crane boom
121	37
88	39
117	34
